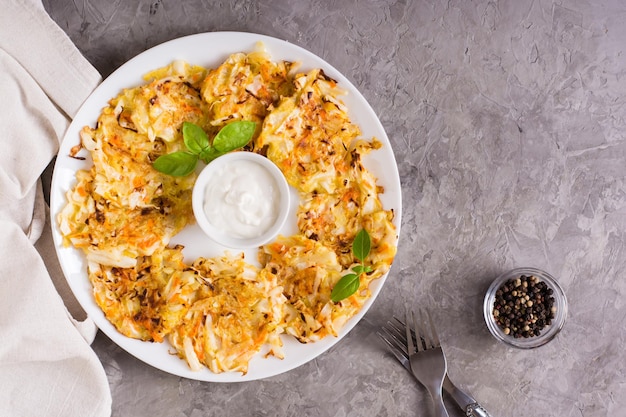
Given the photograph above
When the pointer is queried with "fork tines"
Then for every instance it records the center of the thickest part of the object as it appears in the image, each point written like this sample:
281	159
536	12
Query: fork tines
396	338
430	340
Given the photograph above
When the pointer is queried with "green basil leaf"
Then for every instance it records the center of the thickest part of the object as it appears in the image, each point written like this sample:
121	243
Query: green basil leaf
177	164
195	138
345	287
361	245
234	135
360	269
209	154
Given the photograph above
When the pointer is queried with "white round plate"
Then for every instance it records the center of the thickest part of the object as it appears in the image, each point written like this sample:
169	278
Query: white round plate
209	50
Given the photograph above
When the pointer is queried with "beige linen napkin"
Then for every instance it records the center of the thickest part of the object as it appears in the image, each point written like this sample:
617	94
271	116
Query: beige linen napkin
47	367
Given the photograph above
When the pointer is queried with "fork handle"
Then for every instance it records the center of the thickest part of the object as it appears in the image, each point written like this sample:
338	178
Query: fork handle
476	410
464	400
440	409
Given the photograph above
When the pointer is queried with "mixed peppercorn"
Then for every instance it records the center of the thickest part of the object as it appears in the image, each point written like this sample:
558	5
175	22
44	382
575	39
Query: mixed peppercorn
524	306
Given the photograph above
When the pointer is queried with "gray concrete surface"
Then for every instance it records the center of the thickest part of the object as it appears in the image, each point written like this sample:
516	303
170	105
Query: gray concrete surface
507	119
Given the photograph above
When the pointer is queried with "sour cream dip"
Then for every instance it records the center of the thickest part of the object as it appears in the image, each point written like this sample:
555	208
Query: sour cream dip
241	200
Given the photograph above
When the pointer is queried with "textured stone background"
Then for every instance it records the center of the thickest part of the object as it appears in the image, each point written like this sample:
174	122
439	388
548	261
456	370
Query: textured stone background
507	120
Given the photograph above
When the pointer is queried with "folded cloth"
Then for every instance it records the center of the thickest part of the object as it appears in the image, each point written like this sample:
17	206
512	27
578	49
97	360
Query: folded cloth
47	367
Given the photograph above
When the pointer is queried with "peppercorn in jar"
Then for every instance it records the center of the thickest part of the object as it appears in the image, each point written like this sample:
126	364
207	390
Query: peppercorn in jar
525	307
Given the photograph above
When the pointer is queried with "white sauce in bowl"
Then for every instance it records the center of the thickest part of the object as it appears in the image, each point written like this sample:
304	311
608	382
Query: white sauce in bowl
242	199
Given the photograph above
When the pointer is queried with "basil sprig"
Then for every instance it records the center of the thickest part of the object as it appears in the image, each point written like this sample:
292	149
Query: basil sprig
233	136
349	283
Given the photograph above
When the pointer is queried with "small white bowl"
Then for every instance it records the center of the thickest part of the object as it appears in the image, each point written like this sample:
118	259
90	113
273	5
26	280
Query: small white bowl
233	192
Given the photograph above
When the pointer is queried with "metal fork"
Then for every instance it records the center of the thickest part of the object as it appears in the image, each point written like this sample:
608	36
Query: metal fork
428	362
395	338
